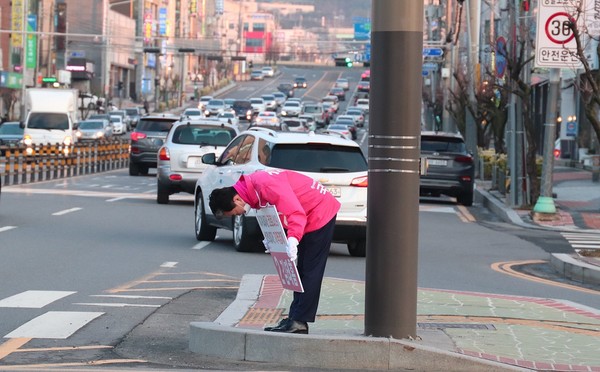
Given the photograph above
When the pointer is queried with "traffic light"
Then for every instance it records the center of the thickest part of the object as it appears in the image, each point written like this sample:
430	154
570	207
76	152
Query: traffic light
120	85
348	62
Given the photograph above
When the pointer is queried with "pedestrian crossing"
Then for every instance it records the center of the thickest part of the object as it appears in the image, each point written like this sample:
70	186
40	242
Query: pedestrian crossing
582	241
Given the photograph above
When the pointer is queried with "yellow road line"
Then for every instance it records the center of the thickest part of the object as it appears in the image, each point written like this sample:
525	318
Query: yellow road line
133	283
506	268
35	350
11	346
464	212
72	364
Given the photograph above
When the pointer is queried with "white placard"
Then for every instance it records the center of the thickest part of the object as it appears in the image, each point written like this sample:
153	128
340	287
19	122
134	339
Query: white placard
555	41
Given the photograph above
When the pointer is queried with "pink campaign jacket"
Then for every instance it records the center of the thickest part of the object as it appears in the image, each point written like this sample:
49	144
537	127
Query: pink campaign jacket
303	203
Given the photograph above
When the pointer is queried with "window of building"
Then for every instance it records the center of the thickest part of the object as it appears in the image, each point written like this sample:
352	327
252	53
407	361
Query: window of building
254	42
246	26
258	27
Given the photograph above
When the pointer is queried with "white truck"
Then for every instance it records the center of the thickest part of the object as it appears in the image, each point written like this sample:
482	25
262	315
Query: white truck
51	116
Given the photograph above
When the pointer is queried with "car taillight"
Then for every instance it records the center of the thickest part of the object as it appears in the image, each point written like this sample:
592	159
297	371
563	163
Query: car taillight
175	177
556	153
163	154
464	159
360	182
136	136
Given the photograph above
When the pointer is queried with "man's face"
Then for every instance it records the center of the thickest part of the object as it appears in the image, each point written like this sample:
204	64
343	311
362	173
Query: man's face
238	209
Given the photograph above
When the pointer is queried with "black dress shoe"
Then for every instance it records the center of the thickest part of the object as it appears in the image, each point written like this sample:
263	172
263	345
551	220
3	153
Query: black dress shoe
288	325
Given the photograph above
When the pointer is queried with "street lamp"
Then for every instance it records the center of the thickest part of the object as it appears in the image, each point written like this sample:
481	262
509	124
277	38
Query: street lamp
181	78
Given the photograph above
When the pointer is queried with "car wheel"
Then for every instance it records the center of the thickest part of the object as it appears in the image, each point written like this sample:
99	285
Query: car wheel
134	169
357	248
162	194
466	198
242	240
203	230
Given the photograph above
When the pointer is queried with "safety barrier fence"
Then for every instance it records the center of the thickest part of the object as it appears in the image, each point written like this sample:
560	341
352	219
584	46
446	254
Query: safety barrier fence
22	164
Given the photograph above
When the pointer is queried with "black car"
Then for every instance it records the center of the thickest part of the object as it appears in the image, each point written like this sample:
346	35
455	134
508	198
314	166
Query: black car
450	169
287	89
148	136
243	109
300	82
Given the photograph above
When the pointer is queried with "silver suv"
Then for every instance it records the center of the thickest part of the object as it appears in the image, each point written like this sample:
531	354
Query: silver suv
180	157
337	163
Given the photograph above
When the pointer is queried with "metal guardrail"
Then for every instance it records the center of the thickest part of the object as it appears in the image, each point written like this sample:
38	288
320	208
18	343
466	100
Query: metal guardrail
22	164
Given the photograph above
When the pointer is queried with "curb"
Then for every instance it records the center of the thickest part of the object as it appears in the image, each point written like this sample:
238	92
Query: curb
575	270
213	340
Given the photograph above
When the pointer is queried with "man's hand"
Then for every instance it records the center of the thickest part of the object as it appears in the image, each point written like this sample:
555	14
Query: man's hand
292	248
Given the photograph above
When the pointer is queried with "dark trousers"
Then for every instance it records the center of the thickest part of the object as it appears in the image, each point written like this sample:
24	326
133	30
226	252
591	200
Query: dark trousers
313	251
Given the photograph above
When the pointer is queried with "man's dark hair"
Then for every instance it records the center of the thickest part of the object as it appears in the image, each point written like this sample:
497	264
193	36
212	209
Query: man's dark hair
221	200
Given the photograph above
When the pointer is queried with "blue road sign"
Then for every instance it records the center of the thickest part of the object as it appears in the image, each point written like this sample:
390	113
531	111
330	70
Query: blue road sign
424	73
430	66
432	52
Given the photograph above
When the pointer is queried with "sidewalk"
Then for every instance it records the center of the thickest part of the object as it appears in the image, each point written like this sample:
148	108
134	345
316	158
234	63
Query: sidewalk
457	330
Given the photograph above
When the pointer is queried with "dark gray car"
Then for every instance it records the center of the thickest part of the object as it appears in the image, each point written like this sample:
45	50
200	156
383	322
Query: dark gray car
146	139
450	168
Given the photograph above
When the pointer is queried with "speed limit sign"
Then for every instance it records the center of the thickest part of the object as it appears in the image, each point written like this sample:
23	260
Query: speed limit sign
556	46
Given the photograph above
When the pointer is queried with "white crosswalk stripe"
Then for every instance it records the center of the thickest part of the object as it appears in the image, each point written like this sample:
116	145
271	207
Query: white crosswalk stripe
33	299
582	241
54	325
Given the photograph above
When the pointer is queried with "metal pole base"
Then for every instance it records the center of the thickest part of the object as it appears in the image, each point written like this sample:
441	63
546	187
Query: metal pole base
544	204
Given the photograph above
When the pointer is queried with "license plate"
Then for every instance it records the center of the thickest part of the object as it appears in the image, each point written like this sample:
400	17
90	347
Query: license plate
335	191
194	162
440	163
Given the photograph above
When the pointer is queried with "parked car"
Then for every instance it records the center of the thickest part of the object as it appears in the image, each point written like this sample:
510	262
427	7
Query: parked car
214	107
94	130
287	89
147	137
11	133
180	157
300	82
257	75
291	109
335	102
191	114
243	109
268	71
450	167
337	163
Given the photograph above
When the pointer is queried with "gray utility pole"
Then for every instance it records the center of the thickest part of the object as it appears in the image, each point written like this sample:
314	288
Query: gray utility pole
545	203
473	9
394	152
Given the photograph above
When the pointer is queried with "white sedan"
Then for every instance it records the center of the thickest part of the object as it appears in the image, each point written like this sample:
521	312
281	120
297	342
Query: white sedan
119	127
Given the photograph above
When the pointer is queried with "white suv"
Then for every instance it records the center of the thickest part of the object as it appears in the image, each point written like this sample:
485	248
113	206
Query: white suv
337	163
179	162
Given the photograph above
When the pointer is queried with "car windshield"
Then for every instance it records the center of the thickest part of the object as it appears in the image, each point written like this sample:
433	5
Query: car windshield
442	144
208	135
48	120
12	128
292	104
241	104
318	157
293	123
91	125
192	113
259	101
353	112
226	115
153	125
131	111
216	102
312	109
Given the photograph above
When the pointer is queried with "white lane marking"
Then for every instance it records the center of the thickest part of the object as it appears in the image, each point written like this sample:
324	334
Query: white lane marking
169	264
54	324
6	228
135	297
201	245
108	304
66	211
115	199
437	209
33	299
107	186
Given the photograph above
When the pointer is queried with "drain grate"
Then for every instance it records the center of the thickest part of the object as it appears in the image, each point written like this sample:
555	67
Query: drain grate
456	325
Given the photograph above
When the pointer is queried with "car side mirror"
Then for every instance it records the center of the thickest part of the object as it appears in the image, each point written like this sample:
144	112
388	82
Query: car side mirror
22	124
209	158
